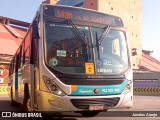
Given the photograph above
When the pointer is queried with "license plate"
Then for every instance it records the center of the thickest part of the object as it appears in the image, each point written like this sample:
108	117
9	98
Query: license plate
96	107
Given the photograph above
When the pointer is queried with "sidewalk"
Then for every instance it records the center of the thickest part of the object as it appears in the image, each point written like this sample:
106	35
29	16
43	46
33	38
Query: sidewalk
4	97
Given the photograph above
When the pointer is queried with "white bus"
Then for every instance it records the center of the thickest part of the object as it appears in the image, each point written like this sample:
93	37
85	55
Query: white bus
72	59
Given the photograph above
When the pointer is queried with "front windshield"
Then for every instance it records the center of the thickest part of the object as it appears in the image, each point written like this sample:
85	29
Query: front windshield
111	52
66	51
70	51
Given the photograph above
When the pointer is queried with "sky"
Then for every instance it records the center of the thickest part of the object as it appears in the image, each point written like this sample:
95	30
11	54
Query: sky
151	26
24	10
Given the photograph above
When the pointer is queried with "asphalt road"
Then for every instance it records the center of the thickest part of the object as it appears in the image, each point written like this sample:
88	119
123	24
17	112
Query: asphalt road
148	107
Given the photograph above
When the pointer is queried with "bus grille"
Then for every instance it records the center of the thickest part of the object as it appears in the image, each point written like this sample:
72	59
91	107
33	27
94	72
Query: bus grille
79	81
85	103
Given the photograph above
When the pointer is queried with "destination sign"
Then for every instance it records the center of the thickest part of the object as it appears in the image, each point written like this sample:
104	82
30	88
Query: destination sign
81	15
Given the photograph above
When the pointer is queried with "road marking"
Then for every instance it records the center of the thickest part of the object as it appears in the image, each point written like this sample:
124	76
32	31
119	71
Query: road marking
147	90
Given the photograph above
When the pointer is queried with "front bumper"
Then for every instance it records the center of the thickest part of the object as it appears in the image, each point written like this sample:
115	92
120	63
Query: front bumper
52	103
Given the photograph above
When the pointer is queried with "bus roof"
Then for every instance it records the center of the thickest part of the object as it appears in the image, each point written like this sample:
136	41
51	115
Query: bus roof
81	14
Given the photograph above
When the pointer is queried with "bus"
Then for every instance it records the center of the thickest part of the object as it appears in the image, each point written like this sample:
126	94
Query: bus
72	59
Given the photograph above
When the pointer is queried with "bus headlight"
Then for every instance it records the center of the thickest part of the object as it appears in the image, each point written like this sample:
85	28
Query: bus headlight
53	88
128	87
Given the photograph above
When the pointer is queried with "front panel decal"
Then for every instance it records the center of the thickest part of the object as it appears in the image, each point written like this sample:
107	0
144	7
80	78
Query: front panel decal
98	90
89	68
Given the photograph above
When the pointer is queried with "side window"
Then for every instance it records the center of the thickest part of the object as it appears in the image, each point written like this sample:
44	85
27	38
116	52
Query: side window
28	40
18	59
27	55
17	62
13	65
34	44
22	54
10	68
26	49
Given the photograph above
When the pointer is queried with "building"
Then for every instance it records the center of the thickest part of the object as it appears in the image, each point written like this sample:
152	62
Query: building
11	35
131	13
149	63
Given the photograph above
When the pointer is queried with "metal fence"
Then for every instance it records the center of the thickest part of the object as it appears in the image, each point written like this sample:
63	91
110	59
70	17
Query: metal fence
146	83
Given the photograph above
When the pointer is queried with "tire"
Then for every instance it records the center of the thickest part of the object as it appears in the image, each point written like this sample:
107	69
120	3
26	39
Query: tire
13	103
27	104
89	113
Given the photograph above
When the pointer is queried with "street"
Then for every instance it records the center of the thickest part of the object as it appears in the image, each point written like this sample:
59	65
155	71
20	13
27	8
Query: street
146	107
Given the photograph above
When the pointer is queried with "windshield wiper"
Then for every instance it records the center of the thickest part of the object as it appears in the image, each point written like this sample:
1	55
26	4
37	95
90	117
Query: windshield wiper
101	39
77	32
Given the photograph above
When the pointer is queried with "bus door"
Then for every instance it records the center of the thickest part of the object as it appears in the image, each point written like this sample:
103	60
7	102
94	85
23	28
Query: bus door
18	77
34	64
34	83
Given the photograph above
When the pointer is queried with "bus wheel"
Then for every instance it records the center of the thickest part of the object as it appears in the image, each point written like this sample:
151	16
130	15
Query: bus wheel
89	113
27	104
12	101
